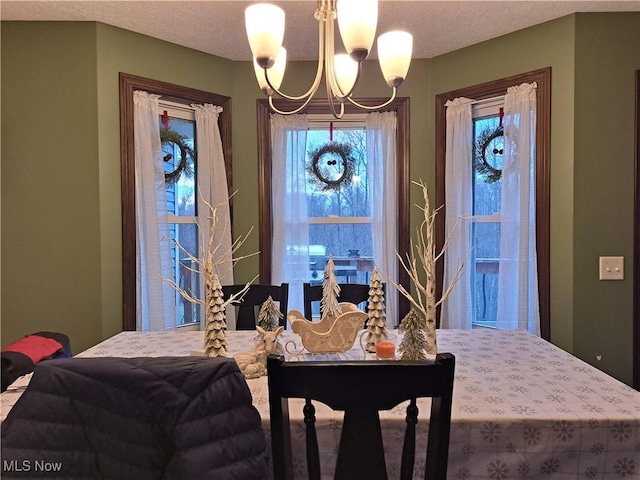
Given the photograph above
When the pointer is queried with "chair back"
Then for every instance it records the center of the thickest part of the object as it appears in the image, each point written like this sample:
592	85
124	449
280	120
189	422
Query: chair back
255	296
361	389
355	293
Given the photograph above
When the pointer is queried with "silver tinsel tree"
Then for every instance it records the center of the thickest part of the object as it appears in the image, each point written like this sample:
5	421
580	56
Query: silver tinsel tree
269	315
268	319
412	345
330	291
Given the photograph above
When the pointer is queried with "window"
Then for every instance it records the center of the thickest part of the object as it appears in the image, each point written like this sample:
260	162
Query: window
486	186
340	219
485	230
176	95
340	223
179	167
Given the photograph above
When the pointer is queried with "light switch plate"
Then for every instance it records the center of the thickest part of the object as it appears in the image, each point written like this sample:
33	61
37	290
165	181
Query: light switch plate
611	268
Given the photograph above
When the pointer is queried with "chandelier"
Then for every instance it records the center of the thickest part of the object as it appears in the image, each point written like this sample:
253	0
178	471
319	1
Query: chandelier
357	21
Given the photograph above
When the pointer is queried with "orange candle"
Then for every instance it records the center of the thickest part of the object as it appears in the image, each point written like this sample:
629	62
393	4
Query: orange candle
386	349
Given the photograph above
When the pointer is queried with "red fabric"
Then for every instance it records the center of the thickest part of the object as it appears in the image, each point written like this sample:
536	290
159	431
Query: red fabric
34	347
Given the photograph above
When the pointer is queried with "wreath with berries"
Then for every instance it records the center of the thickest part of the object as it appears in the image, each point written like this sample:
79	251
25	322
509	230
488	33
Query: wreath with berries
480	162
168	135
329	156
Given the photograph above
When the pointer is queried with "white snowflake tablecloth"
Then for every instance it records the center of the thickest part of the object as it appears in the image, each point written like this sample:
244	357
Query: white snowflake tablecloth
522	408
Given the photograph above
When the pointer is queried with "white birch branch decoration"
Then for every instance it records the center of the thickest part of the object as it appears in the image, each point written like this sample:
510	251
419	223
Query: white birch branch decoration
420	262
209	264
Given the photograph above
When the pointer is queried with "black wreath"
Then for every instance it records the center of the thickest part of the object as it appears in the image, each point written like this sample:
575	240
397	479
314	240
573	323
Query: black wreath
167	135
491	173
341	150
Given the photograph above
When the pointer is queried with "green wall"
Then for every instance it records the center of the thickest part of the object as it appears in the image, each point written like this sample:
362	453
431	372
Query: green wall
607	57
60	81
50	182
61	236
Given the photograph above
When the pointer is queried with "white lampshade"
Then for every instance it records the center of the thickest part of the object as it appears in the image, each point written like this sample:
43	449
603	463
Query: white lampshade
357	20
346	72
276	72
394	55
265	30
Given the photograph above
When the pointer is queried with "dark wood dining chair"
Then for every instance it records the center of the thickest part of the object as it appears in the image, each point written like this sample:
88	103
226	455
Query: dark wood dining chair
355	293
361	389
255	296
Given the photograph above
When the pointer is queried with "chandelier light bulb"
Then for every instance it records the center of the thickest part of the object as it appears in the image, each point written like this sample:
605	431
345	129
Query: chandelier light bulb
357	21
276	72
265	30
394	55
346	72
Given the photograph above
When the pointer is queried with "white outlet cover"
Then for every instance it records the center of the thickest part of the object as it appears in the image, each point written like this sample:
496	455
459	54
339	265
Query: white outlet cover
611	268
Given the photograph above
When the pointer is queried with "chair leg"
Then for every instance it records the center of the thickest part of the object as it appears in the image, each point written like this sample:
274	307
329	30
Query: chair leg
409	446
313	454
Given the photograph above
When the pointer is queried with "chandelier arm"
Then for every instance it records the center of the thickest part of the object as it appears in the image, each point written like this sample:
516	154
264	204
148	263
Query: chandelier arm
334	93
316	82
329	56
332	103
329	52
336	114
291	112
310	93
374	107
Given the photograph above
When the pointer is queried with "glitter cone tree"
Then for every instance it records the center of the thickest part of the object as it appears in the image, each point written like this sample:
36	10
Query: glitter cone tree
375	310
215	341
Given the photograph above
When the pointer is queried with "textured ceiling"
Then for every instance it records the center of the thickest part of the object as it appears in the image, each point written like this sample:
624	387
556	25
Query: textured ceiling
217	27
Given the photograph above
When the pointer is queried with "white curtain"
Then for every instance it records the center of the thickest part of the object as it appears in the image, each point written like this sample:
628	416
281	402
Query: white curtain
456	311
155	304
381	172
290	254
212	187
518	279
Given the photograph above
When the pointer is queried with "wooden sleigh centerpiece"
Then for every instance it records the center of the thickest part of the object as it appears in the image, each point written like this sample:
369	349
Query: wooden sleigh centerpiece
332	334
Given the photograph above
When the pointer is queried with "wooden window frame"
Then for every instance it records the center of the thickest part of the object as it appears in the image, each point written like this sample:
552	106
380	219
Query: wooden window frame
636	246
174	93
321	106
543	150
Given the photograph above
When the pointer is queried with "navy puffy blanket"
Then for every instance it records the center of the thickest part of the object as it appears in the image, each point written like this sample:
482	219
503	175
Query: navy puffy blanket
135	418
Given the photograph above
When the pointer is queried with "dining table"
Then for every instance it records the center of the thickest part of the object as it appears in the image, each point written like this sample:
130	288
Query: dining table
522	407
